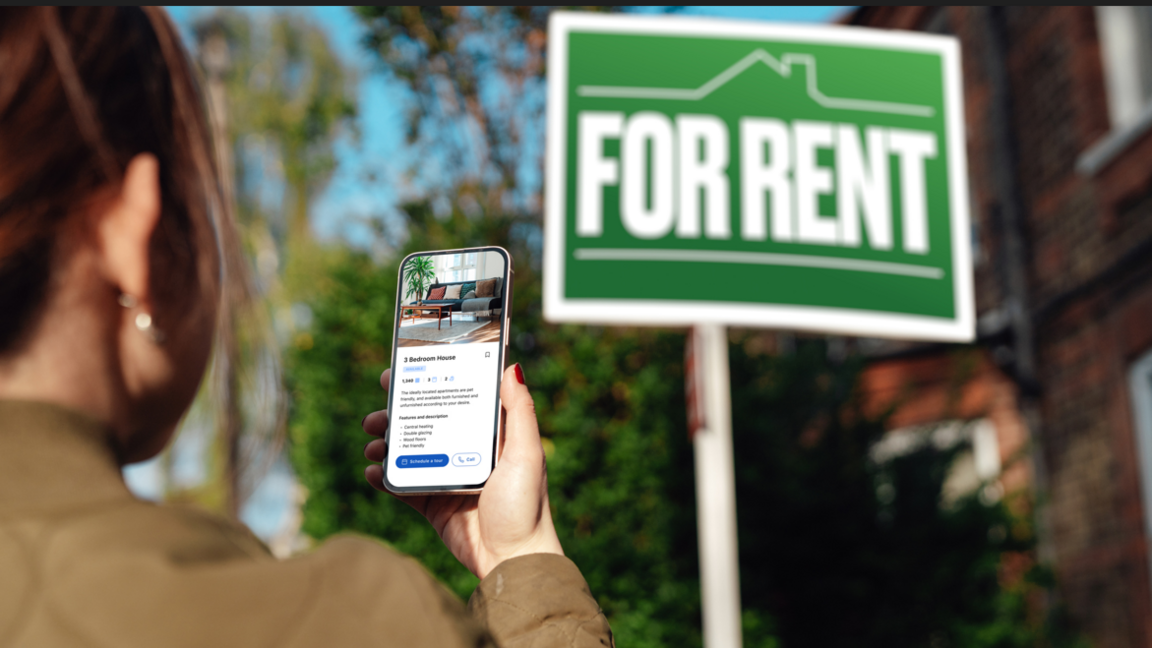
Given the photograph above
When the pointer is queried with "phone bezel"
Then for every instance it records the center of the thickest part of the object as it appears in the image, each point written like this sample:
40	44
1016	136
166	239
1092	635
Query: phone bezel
498	425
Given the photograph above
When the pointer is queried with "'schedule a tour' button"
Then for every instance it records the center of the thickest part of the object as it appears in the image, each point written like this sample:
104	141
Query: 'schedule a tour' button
466	459
422	461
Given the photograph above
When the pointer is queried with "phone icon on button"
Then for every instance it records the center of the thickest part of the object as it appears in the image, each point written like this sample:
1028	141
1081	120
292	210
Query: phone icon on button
466	459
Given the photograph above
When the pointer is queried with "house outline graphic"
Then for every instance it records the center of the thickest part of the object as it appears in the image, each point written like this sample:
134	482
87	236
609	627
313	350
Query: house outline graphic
783	67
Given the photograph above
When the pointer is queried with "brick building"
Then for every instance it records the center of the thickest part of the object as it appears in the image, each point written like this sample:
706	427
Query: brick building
1059	116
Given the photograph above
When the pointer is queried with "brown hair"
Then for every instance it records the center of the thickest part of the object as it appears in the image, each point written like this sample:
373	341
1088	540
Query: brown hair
82	91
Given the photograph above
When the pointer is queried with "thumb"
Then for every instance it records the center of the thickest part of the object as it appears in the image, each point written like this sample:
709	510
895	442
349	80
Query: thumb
522	434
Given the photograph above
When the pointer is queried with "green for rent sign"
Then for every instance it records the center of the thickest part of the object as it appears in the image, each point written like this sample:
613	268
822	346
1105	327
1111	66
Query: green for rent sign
756	174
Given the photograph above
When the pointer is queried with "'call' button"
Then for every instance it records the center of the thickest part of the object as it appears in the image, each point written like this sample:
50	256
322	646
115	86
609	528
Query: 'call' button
422	461
466	459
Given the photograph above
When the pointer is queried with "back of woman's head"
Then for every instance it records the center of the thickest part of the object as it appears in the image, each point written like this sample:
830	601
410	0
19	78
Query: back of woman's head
82	92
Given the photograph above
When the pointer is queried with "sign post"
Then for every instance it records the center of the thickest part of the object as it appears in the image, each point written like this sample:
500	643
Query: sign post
711	431
710	173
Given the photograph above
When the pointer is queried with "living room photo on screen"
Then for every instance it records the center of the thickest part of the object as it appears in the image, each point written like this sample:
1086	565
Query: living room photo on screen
453	298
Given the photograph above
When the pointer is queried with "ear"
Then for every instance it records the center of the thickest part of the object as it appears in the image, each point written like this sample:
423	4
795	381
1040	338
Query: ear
126	227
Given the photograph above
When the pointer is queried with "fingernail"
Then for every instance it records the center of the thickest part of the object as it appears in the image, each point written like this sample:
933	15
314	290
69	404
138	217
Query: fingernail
519	373
363	419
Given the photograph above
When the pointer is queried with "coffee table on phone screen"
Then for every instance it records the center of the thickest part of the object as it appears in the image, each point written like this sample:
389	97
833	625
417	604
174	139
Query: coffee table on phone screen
439	308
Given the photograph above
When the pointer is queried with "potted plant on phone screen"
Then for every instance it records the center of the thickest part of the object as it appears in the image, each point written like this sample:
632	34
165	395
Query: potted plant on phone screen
421	274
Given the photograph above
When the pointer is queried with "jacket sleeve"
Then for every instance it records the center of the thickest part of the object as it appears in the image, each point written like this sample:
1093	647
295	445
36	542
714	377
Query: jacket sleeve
540	601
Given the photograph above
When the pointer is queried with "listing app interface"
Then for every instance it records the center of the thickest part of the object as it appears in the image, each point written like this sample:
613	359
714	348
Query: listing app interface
445	378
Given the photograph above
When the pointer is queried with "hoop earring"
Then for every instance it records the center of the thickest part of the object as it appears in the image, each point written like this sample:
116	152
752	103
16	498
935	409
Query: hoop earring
143	320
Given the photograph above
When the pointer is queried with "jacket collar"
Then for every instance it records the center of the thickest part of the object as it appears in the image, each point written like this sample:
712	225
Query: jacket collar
54	458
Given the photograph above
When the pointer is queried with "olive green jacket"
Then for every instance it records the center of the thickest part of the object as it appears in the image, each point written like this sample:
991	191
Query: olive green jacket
84	563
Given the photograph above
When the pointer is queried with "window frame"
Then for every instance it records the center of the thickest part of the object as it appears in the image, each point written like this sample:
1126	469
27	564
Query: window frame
1126	58
1140	392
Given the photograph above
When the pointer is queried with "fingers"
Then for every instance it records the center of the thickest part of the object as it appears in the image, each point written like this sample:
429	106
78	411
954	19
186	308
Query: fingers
376	423
522	435
374	474
375	450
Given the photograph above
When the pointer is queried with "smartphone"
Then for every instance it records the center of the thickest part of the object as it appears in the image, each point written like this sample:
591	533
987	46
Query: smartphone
448	352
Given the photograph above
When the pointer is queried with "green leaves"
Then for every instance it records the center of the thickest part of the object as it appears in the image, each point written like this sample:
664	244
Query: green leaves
419	274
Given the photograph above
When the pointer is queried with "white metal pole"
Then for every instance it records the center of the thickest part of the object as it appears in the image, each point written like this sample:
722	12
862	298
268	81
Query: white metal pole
716	494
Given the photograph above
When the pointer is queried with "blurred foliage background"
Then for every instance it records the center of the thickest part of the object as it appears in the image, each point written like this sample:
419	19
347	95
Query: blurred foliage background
836	548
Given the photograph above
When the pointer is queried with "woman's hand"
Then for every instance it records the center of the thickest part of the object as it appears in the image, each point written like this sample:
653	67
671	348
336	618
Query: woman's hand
510	517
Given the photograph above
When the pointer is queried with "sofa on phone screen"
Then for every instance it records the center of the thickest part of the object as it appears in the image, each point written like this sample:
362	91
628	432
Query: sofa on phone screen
487	306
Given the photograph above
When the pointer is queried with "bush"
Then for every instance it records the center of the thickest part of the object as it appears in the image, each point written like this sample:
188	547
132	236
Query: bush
835	550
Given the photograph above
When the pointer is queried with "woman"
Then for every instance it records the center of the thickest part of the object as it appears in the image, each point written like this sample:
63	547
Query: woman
112	240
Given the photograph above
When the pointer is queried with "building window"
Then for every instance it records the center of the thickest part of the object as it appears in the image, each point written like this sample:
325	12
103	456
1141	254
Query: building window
1140	386
976	466
1126	45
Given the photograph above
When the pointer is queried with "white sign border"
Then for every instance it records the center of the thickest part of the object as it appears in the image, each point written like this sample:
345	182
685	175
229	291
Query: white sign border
558	308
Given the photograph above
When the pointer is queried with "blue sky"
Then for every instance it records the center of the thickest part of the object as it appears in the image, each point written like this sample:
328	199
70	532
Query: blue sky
351	198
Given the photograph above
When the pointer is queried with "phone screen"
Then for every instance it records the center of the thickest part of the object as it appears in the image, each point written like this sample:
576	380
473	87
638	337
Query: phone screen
447	361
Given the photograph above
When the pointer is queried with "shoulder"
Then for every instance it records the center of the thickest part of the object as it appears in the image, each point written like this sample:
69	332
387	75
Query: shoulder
135	528
139	574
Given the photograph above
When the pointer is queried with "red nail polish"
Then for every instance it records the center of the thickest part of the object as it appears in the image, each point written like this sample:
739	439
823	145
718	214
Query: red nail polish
519	373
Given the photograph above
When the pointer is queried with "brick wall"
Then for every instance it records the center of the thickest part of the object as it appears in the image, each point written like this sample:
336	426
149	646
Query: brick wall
1090	282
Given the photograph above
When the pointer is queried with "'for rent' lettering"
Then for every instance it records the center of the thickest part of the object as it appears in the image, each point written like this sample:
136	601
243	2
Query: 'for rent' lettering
673	177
